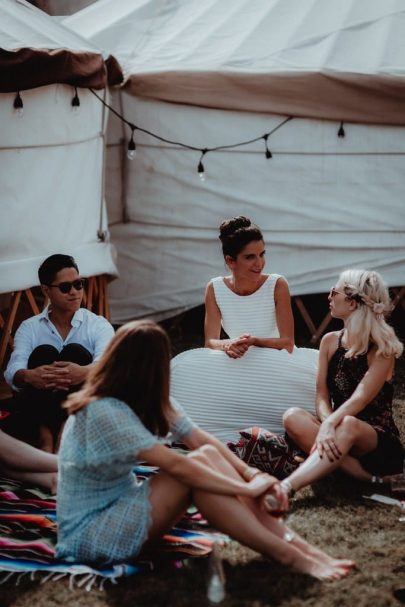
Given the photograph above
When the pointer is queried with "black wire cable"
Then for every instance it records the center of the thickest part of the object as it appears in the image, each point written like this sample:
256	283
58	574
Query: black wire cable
203	151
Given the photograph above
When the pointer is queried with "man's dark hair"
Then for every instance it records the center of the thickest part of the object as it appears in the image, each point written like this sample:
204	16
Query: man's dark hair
54	264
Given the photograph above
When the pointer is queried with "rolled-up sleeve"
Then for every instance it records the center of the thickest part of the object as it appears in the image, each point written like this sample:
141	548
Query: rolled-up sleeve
103	332
23	346
182	424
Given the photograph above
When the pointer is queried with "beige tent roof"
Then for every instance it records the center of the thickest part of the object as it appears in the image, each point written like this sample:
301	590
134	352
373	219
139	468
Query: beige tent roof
311	58
35	51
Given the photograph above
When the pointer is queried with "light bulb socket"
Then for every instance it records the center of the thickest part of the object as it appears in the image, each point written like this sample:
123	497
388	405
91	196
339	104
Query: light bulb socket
18	102
75	100
267	151
131	153
341	132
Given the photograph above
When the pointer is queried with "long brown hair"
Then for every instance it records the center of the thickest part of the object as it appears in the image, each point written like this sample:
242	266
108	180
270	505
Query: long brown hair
135	368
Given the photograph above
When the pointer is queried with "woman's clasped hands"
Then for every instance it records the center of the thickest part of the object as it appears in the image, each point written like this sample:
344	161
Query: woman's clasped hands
236	348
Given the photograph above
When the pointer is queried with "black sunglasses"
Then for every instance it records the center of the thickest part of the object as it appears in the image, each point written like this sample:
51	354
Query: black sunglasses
66	287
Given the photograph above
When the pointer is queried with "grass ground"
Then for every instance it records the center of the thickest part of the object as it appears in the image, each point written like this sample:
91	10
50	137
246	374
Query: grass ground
331	514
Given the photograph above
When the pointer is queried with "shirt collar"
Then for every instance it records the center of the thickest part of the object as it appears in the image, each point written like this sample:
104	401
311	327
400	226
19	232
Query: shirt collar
76	320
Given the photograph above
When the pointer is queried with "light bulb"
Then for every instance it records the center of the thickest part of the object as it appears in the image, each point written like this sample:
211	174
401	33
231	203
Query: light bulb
131	153
201	171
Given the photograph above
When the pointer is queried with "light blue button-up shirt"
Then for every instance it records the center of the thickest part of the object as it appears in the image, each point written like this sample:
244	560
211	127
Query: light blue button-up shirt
89	330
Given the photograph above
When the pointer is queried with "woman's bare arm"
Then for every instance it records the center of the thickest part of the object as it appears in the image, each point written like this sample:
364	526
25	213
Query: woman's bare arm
195	474
212	328
198	438
322	400
285	321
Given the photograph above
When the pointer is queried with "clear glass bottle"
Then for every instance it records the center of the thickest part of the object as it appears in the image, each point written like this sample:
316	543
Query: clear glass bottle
216	577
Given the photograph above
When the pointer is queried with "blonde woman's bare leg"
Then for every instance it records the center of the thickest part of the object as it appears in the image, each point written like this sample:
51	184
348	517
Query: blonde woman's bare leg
302	427
352	435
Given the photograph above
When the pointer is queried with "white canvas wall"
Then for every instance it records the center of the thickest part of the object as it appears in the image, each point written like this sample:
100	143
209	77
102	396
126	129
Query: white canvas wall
51	163
324	203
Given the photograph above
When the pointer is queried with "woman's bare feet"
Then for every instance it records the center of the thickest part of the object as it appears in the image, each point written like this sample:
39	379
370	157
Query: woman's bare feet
317	554
326	570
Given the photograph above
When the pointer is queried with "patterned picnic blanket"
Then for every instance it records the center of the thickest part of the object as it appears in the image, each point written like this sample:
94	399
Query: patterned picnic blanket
28	533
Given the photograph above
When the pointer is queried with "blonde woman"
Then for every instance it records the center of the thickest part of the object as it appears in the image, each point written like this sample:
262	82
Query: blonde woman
354	428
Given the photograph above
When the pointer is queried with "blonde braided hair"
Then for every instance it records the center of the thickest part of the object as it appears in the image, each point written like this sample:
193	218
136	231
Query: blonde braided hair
367	322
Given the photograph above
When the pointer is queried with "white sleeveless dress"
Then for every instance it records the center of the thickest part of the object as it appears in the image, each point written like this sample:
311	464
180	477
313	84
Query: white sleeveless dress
224	395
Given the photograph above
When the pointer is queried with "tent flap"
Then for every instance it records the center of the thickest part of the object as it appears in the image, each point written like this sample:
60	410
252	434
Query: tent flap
29	68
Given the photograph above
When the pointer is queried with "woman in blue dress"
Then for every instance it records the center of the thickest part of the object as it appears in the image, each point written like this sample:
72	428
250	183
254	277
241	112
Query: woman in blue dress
119	419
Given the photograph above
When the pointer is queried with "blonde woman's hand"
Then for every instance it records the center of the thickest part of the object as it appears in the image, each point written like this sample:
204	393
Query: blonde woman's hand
326	442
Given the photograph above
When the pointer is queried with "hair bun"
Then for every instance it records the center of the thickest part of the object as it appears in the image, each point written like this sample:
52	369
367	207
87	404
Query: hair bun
230	226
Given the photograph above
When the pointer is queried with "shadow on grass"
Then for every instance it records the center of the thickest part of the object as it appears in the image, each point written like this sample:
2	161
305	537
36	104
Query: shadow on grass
259	582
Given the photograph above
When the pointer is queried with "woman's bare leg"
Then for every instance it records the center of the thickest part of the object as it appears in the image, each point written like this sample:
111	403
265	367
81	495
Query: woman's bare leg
275	525
18	455
233	517
47	480
303	428
169	499
351	435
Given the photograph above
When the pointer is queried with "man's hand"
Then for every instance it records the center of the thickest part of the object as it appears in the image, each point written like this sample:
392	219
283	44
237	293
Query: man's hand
40	378
66	374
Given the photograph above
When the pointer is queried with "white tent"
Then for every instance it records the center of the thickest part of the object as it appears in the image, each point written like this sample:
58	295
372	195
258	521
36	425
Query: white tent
51	153
209	73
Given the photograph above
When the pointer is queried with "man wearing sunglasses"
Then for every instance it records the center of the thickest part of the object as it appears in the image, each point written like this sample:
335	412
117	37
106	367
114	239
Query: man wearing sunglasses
53	352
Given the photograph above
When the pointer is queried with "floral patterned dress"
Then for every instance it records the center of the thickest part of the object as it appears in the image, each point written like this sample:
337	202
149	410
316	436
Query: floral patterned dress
344	375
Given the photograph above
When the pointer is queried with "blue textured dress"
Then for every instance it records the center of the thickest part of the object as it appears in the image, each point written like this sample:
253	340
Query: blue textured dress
103	510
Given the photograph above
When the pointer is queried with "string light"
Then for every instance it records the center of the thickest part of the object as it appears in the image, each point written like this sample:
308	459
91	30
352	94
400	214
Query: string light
131	153
268	153
200	168
18	105
75	102
203	151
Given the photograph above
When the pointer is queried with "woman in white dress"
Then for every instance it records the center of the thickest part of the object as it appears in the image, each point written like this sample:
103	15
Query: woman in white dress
253	376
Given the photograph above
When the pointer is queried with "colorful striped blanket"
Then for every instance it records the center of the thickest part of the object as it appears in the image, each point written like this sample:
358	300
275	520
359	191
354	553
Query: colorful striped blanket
28	533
